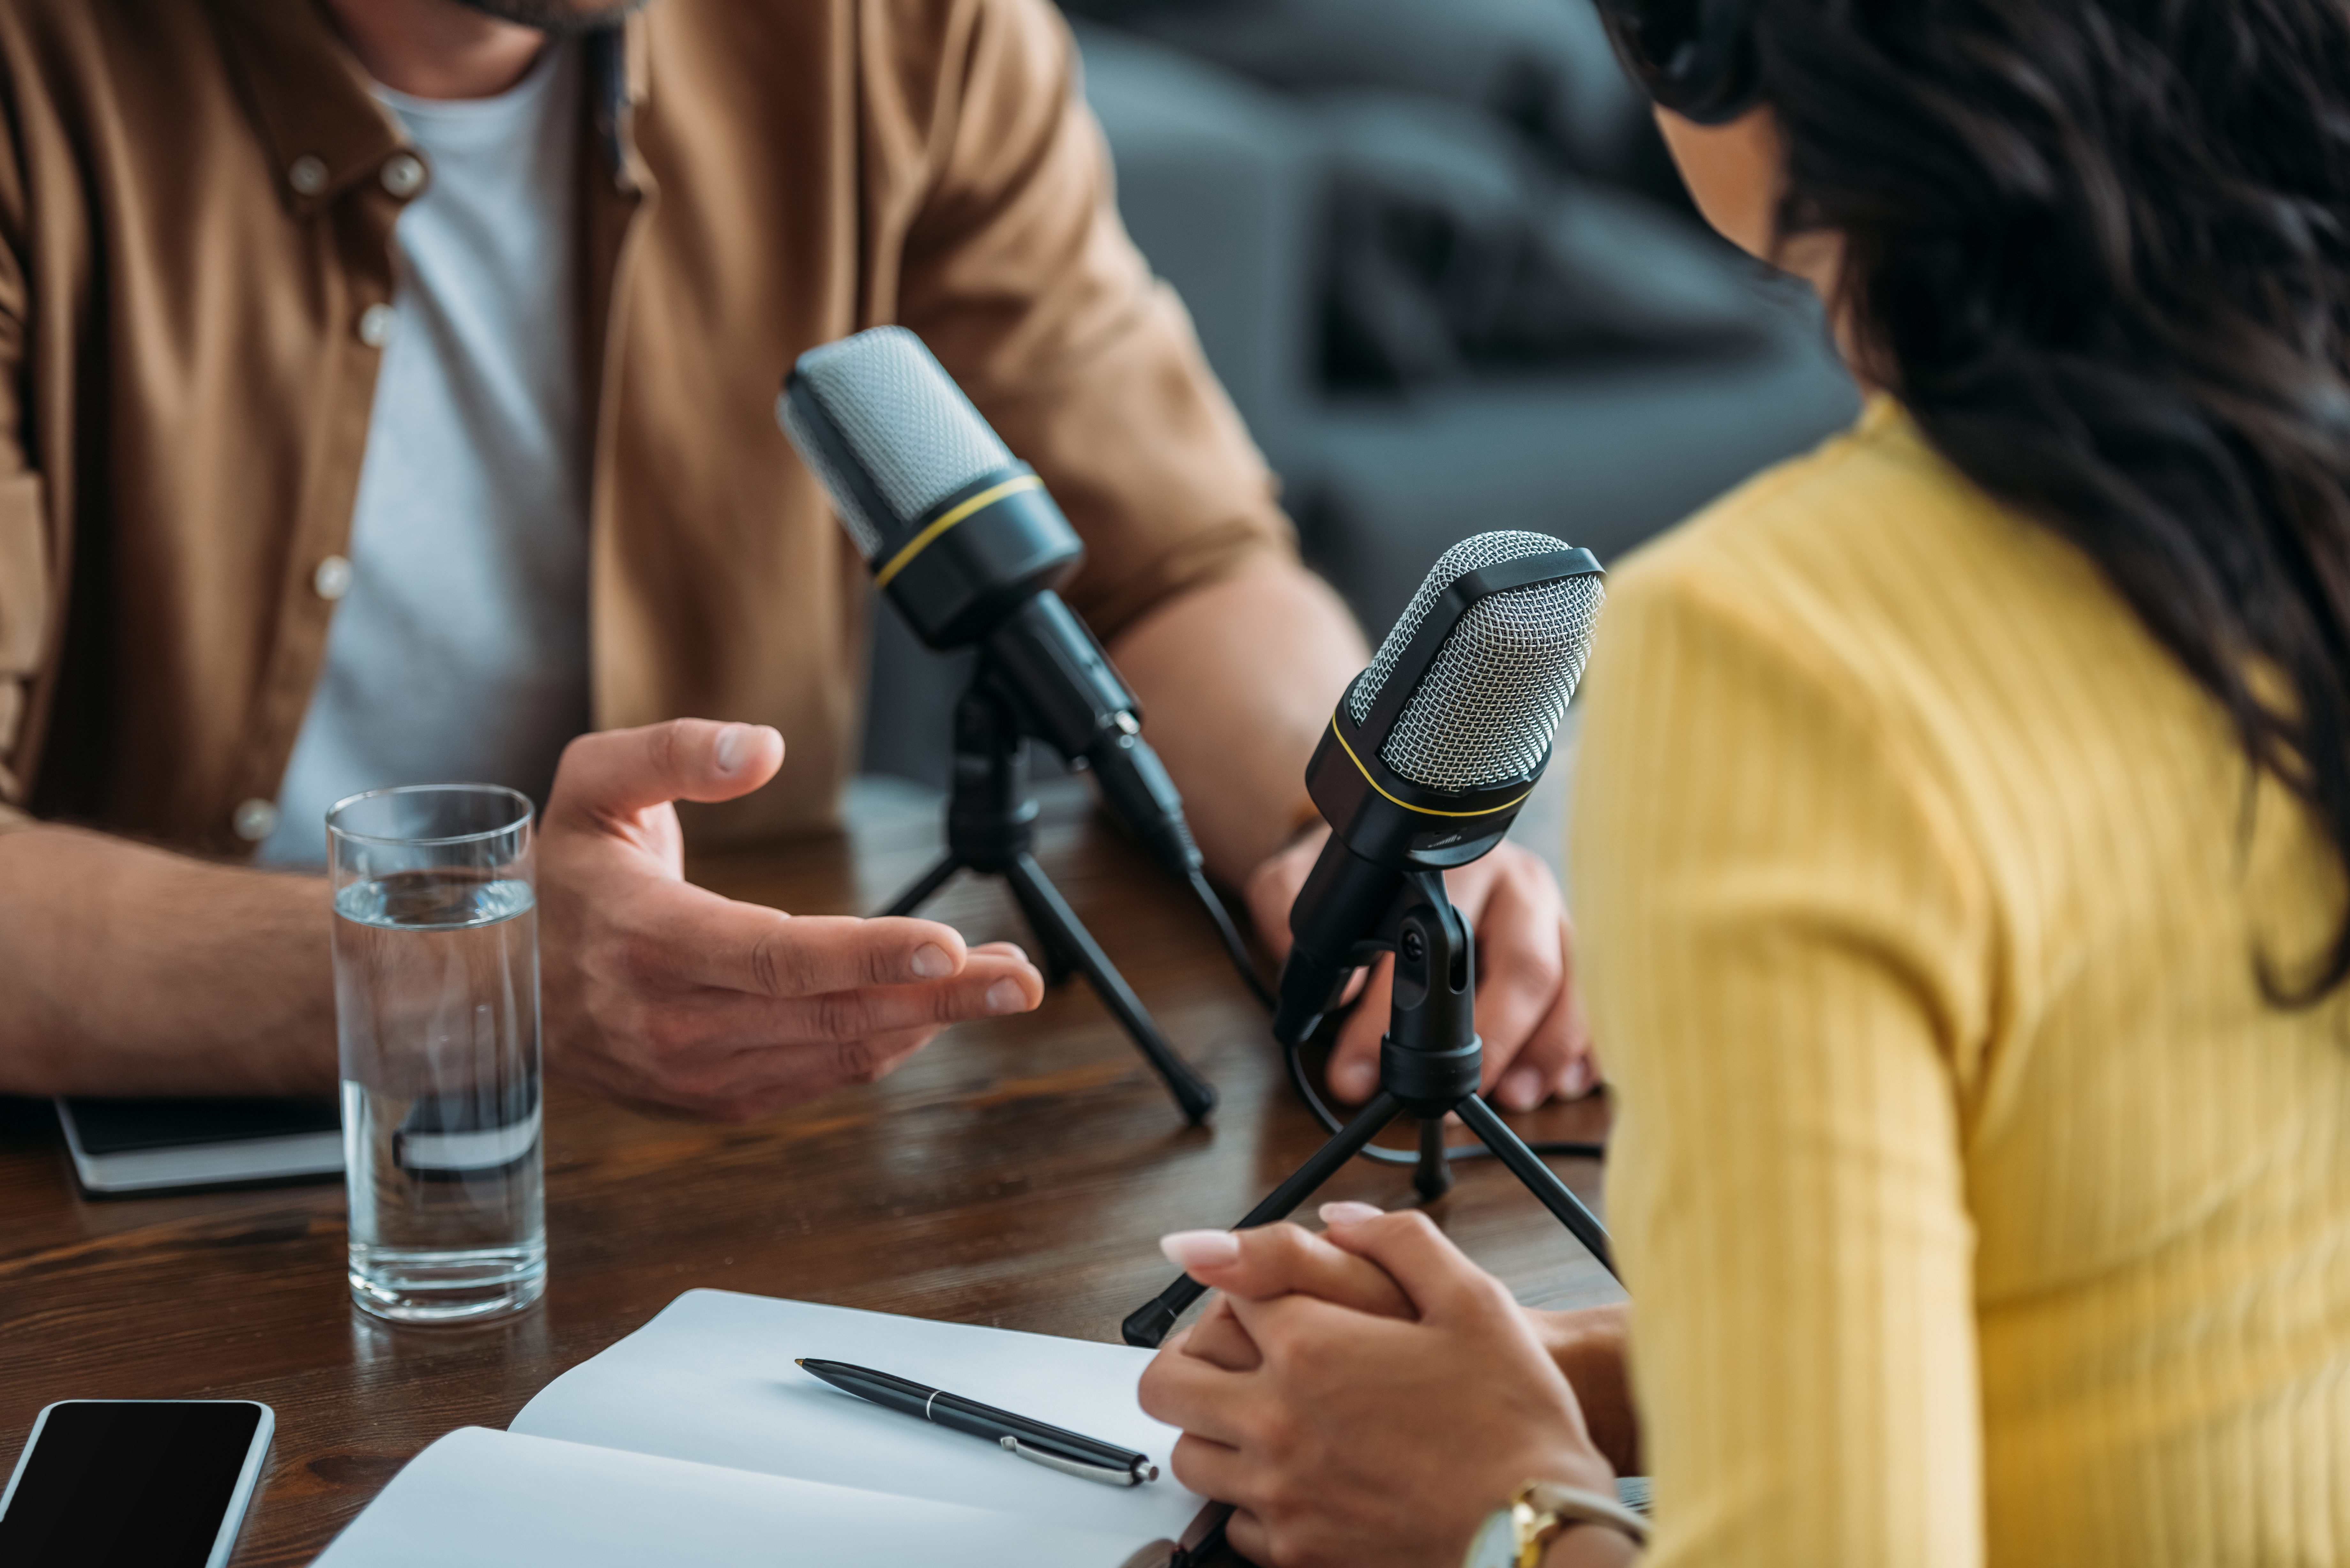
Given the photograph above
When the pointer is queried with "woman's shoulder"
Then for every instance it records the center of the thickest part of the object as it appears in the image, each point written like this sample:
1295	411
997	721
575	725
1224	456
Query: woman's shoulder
1875	561
1863	525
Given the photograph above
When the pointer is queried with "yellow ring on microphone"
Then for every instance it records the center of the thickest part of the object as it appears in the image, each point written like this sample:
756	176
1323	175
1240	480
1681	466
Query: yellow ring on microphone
1405	804
981	502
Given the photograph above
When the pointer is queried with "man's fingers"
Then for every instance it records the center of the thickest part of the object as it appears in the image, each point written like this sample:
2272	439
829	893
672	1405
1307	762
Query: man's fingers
1557	1059
989	986
1354	1070
1520	966
1284	1259
714	1021
1433	1273
616	773
814	956
767	953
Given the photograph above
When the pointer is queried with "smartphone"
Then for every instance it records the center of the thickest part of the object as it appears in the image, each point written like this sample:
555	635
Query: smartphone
159	1482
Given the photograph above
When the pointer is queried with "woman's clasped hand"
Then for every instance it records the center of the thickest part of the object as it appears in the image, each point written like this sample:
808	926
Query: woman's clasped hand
1367	1395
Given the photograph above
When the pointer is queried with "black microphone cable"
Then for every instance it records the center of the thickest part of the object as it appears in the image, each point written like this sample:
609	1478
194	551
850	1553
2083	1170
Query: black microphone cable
1293	1055
1235	945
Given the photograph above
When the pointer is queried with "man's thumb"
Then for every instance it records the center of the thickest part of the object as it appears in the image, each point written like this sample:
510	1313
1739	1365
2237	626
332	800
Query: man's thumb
618	772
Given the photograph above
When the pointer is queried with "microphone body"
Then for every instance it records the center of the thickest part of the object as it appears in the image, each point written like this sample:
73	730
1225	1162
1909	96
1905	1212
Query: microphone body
964	540
1435	746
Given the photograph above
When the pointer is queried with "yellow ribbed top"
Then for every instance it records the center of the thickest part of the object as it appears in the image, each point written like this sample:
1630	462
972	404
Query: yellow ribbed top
1975	1206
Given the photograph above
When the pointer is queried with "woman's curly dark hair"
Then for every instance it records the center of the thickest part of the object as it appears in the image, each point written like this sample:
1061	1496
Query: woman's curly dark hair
2101	251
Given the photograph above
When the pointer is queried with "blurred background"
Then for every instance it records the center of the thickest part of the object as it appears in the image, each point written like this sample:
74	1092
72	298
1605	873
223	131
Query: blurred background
1437	253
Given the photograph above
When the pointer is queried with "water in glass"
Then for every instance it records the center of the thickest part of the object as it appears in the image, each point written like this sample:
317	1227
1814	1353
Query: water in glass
436	993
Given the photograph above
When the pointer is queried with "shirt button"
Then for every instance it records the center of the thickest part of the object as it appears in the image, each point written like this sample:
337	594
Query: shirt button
254	820
403	174
333	577
375	325
308	174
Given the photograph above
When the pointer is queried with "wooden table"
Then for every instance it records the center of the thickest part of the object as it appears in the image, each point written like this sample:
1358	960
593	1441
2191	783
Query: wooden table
1015	1173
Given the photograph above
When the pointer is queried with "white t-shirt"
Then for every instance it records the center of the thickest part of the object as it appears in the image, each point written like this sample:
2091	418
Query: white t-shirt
459	653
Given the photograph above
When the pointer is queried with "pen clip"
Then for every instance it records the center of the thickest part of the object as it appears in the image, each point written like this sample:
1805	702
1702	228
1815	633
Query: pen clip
1150	1472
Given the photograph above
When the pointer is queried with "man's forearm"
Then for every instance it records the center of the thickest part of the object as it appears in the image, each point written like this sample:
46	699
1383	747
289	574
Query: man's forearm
127	969
1237	679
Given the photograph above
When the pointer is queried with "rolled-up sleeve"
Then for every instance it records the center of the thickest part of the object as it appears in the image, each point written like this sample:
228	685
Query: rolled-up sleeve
1022	279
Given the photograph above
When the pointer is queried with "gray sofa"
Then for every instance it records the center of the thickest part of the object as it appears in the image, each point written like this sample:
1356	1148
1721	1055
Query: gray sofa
1701	369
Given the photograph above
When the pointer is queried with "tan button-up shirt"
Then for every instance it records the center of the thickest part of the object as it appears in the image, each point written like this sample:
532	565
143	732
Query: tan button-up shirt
196	207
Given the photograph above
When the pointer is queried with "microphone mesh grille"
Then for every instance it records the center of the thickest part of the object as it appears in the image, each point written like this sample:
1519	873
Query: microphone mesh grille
862	528
1486	711
904	419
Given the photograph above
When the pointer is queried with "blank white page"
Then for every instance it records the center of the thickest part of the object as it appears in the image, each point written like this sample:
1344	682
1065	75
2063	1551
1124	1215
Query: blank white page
479	1499
710	1379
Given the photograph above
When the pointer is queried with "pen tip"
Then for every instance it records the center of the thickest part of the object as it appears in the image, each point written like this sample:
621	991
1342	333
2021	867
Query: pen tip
799	1361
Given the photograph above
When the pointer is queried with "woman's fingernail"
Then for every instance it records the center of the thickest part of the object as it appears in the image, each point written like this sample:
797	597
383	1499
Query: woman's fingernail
1349	1212
1520	1088
1201	1249
1005	996
1580	1075
930	962
1353	1080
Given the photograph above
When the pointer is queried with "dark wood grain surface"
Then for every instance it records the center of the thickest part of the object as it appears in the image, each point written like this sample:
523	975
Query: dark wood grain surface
1016	1173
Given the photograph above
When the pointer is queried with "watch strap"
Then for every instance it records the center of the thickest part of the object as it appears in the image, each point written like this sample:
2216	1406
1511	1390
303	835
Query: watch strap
1571	1504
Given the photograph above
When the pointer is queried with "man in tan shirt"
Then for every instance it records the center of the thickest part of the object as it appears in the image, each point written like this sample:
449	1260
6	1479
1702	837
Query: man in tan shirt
197	280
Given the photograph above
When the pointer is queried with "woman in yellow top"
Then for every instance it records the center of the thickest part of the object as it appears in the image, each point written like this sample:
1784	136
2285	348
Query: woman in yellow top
1959	854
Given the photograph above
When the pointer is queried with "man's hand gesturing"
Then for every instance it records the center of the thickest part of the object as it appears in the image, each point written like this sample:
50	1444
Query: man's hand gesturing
658	991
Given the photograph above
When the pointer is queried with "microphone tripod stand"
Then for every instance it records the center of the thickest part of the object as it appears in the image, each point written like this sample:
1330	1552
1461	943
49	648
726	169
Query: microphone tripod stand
990	825
1430	1061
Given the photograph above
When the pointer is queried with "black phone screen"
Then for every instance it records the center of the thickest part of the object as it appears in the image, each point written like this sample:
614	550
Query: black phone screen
144	1482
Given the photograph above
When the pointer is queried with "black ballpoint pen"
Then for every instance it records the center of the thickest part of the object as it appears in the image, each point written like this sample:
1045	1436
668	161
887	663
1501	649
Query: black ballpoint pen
1054	1447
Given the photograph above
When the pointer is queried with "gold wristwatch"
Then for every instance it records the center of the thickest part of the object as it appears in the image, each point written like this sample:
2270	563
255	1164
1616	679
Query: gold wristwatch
1516	1534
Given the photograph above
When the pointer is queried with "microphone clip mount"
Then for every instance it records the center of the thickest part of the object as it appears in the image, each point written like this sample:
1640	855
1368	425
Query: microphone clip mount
1430	1060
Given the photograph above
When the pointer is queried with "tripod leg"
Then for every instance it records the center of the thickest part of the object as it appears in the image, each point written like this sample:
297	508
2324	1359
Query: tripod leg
1539	1179
1433	1180
1062	925
1150	1323
1058	965
932	880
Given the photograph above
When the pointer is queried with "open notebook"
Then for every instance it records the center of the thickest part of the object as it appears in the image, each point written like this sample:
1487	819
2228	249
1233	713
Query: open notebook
695	1439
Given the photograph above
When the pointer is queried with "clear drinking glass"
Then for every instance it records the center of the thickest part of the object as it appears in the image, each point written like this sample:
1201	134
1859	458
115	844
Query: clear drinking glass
436	1002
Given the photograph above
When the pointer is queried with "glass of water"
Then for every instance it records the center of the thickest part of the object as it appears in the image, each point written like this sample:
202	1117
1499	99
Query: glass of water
436	1002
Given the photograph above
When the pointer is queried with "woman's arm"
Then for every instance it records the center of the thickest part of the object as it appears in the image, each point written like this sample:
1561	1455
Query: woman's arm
1591	1347
1786	954
1368	1440
1587	1346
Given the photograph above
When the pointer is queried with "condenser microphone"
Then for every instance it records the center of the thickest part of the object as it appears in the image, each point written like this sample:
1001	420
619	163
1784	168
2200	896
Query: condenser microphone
1436	745
963	539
